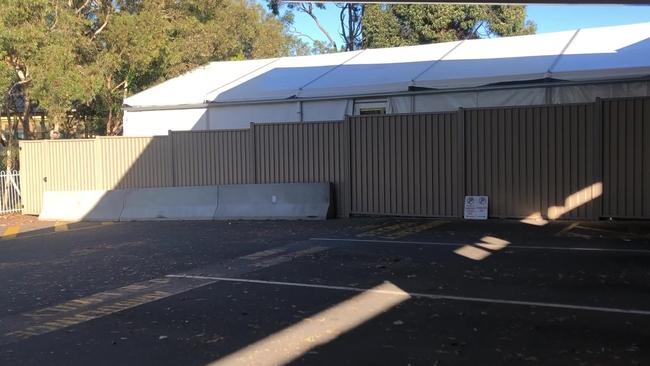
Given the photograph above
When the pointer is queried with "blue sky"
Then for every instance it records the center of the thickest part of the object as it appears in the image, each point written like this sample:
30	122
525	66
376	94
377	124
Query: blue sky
549	18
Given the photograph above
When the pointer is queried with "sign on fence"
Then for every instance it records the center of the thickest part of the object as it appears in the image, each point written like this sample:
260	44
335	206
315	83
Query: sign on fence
476	208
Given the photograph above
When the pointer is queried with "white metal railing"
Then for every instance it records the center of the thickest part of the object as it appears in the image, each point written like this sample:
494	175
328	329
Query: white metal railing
10	192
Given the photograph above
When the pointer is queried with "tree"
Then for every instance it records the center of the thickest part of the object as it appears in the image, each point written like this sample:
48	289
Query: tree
79	59
309	9
401	25
350	15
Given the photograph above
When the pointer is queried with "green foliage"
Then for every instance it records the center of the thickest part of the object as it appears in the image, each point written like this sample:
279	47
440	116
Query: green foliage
401	25
76	55
7	79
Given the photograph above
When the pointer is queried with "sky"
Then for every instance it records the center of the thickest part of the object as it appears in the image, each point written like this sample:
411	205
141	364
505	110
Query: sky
549	18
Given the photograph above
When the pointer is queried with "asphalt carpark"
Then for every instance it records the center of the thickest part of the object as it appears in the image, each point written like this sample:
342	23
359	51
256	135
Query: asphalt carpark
344	291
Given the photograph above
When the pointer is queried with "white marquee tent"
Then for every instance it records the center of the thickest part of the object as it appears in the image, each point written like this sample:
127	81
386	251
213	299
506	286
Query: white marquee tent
563	67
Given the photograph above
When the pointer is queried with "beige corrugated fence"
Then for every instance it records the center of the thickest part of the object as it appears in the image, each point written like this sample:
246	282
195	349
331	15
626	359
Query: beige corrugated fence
532	160
626	168
301	153
580	161
410	165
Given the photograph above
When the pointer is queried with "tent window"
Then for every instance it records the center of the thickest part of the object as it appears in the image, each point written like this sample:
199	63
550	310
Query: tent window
364	111
370	107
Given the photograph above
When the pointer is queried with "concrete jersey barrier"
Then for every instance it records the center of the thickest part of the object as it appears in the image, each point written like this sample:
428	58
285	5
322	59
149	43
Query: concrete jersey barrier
285	201
172	203
99	205
274	201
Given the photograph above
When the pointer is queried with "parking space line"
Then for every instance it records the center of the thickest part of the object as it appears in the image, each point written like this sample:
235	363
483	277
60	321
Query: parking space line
568	228
512	246
429	296
102	304
11	232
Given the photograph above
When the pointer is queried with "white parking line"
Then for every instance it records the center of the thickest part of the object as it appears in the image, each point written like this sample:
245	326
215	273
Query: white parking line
511	246
425	295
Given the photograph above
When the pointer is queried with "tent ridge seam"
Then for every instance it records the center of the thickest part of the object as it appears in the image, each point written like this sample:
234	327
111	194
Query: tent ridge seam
328	71
436	62
549	71
241	77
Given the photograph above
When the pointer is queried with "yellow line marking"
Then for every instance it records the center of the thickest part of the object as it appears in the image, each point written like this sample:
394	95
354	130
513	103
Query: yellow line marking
77	318
601	230
399	230
50	233
416	229
385	229
567	229
61	226
11	232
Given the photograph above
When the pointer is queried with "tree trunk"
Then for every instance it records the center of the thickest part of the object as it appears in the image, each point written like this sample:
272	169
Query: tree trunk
27	113
350	41
109	122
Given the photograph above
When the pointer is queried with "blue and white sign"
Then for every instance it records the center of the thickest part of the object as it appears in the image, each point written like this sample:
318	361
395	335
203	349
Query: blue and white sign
476	208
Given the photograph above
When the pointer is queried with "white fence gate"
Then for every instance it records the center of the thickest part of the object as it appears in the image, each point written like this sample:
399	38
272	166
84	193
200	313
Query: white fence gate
10	192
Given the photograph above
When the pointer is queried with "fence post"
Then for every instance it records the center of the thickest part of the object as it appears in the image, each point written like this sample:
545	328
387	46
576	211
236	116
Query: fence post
461	162
99	164
172	157
252	166
347	174
599	161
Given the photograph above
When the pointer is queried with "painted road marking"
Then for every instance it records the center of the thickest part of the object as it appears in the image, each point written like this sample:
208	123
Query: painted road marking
568	228
95	306
402	229
39	234
416	229
11	232
511	246
61	226
262	254
105	303
429	296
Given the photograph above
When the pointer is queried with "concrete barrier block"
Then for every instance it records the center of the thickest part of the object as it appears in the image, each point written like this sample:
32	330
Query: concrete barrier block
90	205
171	203
286	201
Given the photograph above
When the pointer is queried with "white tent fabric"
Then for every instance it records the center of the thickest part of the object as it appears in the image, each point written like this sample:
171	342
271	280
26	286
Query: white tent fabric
606	53
378	70
241	116
584	55
160	122
281	79
489	61
191	88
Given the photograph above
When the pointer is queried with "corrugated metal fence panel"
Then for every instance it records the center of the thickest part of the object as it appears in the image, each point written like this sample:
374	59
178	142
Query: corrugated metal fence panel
626	163
133	162
408	165
308	152
33	170
533	160
70	165
211	157
552	160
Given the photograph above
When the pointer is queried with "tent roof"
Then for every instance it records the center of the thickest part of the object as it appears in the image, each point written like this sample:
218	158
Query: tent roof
592	54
